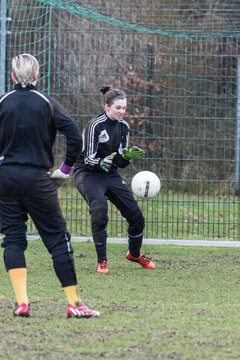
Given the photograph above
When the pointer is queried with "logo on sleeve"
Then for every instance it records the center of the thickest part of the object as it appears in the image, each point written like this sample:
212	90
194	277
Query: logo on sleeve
103	137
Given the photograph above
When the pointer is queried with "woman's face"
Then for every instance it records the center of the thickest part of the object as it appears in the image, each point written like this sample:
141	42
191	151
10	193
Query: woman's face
117	109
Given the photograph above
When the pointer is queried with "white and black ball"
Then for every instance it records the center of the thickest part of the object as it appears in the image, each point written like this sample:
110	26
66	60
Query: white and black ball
145	184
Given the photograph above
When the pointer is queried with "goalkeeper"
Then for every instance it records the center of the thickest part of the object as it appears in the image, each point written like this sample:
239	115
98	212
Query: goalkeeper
105	149
29	121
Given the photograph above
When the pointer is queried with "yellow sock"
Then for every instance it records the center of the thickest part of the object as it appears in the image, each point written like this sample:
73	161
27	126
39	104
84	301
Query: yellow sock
71	293
18	279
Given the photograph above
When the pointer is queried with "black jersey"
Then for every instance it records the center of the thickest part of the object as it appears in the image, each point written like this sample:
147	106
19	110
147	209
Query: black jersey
101	137
29	121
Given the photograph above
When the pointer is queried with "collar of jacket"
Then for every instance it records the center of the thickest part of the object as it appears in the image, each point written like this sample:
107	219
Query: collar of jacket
110	121
19	86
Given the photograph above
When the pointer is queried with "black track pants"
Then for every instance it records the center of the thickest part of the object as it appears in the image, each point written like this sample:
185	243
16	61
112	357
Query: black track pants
30	191
97	188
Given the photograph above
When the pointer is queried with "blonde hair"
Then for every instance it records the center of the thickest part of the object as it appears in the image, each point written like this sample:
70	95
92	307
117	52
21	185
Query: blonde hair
25	69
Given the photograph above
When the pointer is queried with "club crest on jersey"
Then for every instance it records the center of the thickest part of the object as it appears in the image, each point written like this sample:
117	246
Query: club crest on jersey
103	136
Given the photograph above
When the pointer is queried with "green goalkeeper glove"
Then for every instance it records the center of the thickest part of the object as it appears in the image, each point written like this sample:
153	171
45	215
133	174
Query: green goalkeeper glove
133	153
106	163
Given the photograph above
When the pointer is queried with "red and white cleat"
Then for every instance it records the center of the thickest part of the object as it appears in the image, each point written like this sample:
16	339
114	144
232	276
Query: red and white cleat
144	261
102	267
21	310
81	311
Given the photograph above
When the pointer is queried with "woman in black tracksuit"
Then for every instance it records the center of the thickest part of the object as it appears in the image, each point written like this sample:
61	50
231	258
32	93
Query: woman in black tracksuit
105	148
29	122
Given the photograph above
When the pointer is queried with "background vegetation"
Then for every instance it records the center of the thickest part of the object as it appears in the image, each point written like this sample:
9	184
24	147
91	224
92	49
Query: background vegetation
177	61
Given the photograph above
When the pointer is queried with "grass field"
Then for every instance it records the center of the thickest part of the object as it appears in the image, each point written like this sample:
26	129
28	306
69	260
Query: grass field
186	309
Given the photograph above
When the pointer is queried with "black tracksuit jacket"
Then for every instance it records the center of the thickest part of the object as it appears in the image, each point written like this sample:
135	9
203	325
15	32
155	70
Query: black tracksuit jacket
29	121
101	137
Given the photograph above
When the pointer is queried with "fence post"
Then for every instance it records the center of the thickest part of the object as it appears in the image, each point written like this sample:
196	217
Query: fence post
237	146
3	45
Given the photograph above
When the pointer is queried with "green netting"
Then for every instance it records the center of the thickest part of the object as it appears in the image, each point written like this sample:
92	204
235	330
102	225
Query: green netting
178	63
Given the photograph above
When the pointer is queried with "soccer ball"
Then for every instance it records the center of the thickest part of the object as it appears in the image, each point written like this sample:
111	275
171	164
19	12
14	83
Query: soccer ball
145	184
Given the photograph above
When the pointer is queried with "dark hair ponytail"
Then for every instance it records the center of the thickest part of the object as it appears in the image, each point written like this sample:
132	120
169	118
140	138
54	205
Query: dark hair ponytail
105	89
110	94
